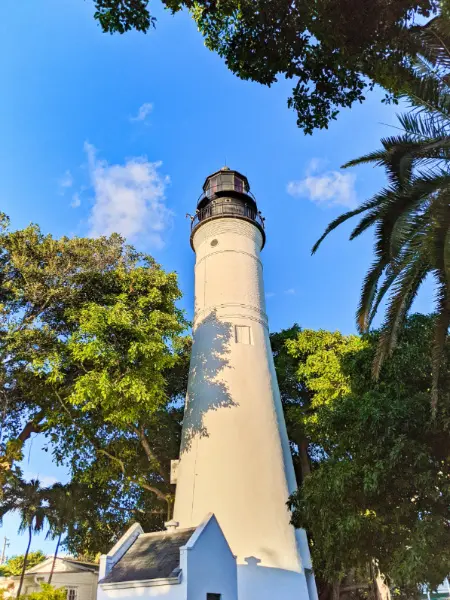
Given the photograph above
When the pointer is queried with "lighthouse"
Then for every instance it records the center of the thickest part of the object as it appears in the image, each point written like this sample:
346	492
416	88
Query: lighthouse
230	537
235	460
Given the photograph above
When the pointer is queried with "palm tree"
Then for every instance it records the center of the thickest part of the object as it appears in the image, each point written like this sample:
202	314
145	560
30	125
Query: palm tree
412	215
27	499
62	500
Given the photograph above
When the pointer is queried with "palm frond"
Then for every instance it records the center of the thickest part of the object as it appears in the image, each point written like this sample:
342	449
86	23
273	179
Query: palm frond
344	217
368	293
386	196
411	216
390	276
434	37
426	95
378	157
405	288
403	233
401	154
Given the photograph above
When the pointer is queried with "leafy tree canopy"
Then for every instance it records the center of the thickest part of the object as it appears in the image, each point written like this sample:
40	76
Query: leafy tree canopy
380	490
94	358
14	565
333	49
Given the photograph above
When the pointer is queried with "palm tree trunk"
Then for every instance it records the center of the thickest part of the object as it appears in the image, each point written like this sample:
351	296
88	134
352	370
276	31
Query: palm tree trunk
54	558
24	568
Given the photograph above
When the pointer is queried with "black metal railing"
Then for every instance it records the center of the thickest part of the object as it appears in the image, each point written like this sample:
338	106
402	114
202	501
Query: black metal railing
229	209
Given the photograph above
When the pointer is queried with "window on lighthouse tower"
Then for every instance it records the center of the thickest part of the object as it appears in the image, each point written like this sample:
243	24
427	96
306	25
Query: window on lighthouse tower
243	334
213	596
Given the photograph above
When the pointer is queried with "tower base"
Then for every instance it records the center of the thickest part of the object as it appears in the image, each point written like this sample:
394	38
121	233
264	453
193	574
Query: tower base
256	582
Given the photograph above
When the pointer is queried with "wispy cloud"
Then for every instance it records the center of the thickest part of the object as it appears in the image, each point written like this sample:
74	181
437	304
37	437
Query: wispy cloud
76	200
143	112
129	199
65	182
290	292
325	188
270	294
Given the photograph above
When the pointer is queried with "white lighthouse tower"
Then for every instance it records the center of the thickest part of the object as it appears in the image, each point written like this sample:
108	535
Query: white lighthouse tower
235	460
231	537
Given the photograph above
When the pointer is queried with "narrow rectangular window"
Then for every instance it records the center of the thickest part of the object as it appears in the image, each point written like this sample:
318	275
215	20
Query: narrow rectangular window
243	334
213	596
72	593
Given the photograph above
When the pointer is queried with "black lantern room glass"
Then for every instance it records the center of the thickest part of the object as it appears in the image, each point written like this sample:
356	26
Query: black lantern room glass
225	181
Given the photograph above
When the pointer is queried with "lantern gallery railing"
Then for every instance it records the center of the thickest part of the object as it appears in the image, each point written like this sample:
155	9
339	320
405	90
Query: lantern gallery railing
232	209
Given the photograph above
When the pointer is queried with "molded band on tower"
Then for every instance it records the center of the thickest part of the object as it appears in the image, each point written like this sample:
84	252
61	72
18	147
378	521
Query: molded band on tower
218	308
227	250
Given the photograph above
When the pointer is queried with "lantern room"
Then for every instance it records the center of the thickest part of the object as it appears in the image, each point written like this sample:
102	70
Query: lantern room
225	181
226	193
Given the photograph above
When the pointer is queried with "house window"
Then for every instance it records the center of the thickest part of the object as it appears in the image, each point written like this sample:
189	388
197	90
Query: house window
72	593
39	579
243	334
213	596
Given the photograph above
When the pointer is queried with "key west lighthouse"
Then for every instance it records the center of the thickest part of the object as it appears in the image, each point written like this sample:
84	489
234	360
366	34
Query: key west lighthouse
230	537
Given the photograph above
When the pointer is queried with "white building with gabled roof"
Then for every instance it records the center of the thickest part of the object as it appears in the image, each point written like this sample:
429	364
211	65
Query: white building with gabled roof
78	577
175	564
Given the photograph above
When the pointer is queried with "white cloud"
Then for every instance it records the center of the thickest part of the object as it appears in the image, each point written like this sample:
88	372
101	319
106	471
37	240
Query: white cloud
66	181
290	292
270	294
143	112
325	188
76	200
129	199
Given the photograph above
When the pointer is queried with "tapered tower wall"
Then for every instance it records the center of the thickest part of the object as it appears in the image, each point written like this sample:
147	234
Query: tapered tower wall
235	458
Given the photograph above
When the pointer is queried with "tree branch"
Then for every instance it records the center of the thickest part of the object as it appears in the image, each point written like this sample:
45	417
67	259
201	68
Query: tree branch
149	452
158	493
32	426
161	495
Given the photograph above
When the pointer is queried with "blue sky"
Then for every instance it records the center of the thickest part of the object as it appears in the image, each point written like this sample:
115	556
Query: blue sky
104	132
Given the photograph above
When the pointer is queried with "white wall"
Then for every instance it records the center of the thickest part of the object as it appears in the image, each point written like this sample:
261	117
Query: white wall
256	582
165	592
85	582
211	567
